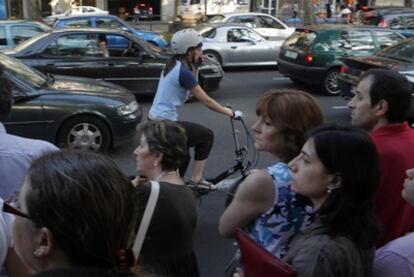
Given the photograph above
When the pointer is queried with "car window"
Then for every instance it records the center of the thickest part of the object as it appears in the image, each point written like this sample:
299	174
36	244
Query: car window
409	22
356	40
268	22
403	52
3	38
78	23
22	33
22	71
74	45
122	46
300	40
326	41
242	35
108	23
194	2
249	21
210	33
396	22
386	38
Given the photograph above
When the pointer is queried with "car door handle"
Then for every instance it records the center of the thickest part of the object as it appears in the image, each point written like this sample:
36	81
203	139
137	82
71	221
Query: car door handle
233	47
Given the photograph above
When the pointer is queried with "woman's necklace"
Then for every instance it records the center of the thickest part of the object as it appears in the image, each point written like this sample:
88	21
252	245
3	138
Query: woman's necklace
165	173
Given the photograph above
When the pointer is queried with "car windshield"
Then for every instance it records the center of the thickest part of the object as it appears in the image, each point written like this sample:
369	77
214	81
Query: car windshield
216	18
22	71
29	42
402	52
300	40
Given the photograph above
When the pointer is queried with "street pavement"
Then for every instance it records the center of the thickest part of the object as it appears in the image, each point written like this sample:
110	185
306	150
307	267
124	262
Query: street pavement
241	89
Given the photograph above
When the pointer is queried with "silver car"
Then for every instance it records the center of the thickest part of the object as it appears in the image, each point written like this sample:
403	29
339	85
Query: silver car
237	45
264	24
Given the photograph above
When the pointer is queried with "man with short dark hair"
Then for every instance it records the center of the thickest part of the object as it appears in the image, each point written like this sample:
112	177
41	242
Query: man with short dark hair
380	106
16	153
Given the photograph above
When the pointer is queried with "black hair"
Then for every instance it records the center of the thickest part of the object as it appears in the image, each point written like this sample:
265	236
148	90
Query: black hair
6	95
349	153
86	202
392	87
168	138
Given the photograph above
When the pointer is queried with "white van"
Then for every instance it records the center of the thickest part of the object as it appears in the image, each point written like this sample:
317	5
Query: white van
195	9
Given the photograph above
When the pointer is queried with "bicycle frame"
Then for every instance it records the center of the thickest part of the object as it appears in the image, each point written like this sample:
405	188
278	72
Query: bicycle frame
240	165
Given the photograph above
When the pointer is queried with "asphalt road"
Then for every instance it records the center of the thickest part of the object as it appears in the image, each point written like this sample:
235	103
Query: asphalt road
241	89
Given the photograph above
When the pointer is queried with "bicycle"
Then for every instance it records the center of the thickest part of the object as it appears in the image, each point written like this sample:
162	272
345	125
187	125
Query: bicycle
241	167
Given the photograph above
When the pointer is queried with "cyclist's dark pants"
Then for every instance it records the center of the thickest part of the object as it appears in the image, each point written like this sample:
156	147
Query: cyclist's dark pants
199	137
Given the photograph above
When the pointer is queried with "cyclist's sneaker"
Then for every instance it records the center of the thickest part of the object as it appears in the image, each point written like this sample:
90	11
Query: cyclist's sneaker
202	187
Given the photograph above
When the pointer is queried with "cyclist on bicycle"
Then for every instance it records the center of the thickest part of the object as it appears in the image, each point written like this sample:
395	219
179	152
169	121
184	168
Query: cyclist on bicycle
178	80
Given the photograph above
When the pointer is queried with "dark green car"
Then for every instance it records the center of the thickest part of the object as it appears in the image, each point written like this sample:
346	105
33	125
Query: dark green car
311	54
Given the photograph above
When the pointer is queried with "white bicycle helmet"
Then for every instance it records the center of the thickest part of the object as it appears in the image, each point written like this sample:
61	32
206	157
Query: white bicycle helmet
184	39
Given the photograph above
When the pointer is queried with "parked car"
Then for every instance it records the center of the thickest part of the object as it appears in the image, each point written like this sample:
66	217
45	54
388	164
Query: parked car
312	54
110	21
13	32
264	24
67	111
90	10
393	17
238	45
132	63
399	57
143	10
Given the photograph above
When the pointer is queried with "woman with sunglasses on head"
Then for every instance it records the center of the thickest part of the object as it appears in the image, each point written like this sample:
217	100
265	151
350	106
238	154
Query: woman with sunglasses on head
76	216
178	79
168	248
264	204
337	170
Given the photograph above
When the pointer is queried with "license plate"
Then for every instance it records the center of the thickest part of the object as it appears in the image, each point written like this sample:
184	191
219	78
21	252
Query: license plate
291	54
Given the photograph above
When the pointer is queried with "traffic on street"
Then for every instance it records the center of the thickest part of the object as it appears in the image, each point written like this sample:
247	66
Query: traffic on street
206	138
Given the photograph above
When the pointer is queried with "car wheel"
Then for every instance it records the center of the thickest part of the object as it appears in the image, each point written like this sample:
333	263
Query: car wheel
330	84
213	55
85	133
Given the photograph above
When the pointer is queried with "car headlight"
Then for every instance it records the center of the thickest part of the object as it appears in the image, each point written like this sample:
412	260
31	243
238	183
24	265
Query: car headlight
128	109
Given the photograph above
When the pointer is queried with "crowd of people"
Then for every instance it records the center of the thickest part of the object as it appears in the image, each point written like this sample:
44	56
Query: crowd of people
336	200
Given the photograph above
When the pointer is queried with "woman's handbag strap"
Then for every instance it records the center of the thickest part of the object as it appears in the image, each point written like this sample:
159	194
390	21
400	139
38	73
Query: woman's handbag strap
146	219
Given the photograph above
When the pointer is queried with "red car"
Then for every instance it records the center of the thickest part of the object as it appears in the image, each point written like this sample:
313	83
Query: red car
143	11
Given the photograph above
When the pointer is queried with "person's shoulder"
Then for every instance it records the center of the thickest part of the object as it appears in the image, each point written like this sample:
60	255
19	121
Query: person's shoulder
257	178
401	246
25	146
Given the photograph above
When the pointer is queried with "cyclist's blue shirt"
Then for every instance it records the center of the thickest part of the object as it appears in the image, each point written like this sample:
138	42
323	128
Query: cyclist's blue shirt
275	228
172	92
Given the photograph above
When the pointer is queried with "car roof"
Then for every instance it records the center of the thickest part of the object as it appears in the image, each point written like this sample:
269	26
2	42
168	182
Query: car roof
85	15
247	13
323	27
89	30
221	25
16	21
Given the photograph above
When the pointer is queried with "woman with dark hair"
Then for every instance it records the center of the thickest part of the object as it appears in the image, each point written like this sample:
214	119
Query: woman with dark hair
337	171
178	80
75	215
264	204
168	246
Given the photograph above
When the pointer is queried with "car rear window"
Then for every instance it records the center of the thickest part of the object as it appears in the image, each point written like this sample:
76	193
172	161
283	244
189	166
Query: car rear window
300	40
402	52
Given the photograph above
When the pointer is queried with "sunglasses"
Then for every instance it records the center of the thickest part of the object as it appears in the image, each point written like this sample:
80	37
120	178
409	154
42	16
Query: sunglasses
8	208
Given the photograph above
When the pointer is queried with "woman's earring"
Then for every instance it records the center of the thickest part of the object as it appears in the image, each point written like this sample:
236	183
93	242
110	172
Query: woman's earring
155	164
329	190
37	252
